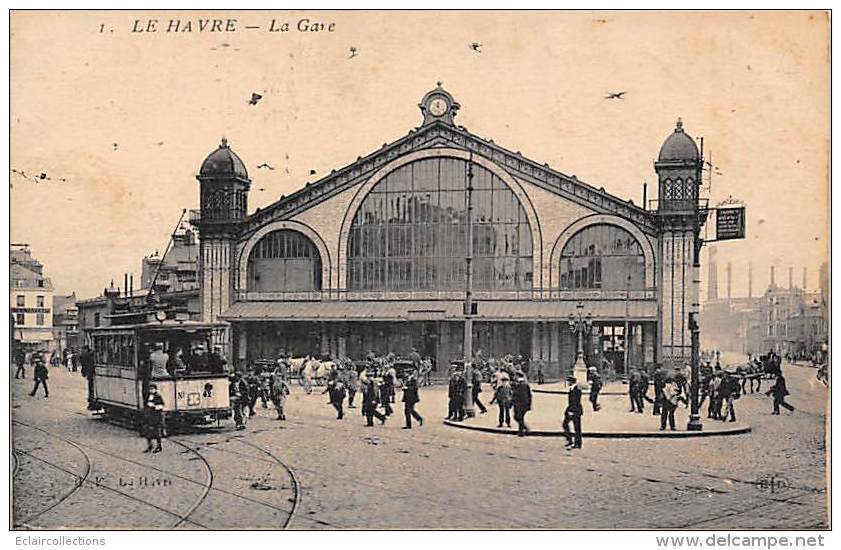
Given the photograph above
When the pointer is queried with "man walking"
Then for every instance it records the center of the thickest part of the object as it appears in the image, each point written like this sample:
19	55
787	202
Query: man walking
411	397
779	391
280	391
573	413
633	388
89	372
596	386
522	403
238	393
477	389
352	384
41	375
337	396
20	362
729	391
369	402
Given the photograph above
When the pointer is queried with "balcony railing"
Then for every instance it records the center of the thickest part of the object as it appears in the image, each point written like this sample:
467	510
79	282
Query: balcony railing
534	295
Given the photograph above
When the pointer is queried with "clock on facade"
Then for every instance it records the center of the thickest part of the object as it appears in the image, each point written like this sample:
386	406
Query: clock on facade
438	106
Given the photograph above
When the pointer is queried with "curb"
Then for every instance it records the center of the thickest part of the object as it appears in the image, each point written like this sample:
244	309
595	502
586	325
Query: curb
566	392
735	430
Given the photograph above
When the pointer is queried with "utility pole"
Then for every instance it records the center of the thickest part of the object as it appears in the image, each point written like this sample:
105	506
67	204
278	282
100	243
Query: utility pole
469	407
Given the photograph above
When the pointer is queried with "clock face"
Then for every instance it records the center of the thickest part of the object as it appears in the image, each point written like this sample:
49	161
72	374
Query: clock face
438	106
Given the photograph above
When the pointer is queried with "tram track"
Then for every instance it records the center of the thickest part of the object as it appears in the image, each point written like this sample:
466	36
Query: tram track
205	490
295	483
79	480
208	487
15	463
84	481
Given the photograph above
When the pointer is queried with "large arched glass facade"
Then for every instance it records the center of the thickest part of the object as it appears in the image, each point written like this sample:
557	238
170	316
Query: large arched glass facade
410	234
284	261
602	256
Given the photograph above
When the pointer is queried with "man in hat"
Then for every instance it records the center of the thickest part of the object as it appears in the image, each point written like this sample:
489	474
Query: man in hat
522	403
669	402
41	375
411	397
779	391
280	391
596	386
153	419
238	394
503	395
216	362
455	393
337	393
477	389
199	360
351	383
159	360
252	384
573	413
20	362
88	371
659	379
370	398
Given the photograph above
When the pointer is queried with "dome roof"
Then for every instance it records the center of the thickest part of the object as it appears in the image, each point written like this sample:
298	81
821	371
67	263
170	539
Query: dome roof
679	146
223	162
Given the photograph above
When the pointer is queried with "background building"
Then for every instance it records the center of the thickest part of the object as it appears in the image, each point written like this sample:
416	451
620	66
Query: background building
372	257
31	299
175	287
65	322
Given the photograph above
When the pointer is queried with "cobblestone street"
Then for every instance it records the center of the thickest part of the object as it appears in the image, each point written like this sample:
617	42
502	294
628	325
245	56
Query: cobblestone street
313	471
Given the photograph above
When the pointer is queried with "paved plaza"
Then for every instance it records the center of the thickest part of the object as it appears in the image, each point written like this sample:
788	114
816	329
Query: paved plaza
313	471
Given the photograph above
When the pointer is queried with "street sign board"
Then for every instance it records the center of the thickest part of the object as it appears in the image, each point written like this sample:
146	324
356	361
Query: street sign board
730	223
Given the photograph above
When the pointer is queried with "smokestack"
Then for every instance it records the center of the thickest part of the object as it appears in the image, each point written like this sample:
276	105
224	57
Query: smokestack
804	279
729	280
131	284
125	284
790	278
750	279
773	283
712	283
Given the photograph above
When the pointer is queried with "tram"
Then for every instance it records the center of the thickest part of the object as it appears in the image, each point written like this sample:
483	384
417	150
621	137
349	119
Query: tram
123	372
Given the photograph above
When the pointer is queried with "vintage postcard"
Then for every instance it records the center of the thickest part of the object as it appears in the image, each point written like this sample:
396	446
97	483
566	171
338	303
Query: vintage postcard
423	270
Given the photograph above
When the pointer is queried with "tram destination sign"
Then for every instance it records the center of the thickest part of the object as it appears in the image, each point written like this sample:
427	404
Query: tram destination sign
730	223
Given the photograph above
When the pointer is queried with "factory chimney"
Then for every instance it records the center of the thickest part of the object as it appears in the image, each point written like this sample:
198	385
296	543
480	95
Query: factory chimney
773	283
750	279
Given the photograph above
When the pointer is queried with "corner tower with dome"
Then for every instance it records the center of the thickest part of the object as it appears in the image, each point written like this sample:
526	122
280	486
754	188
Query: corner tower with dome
372	255
224	184
678	167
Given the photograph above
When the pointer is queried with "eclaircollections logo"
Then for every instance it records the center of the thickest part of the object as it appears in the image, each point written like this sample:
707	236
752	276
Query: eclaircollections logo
773	483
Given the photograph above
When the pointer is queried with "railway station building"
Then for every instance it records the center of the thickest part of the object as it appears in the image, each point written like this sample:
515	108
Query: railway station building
372	256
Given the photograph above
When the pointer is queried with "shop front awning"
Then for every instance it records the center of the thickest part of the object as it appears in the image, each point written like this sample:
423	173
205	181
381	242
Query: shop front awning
438	310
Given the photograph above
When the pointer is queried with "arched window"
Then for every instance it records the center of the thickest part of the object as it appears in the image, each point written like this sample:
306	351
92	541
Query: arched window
284	261
409	233
602	256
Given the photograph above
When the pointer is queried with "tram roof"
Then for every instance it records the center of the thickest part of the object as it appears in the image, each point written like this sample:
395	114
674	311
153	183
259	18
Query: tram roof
161	326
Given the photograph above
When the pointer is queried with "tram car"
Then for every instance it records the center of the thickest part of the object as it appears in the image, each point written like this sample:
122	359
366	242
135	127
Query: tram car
123	372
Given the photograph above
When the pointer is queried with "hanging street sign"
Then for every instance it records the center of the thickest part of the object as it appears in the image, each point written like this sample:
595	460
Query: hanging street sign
729	223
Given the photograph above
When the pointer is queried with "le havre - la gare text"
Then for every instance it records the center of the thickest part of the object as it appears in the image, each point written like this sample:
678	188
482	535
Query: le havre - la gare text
228	25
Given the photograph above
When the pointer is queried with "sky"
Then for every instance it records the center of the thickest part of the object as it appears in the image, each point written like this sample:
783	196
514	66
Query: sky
125	118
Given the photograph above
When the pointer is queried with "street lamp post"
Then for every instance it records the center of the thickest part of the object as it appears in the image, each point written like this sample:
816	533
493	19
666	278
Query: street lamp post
580	324
694	423
469	408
